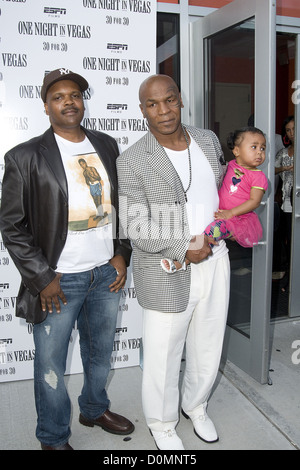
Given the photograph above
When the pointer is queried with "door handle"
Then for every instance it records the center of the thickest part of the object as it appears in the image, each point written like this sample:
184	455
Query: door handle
297	194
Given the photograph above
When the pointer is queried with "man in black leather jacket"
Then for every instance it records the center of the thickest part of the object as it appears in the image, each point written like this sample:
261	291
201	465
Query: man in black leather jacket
72	264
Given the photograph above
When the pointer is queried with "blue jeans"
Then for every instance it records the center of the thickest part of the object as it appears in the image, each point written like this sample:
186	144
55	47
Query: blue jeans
95	308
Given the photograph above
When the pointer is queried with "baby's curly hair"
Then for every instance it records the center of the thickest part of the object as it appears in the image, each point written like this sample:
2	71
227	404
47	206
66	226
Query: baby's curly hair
235	138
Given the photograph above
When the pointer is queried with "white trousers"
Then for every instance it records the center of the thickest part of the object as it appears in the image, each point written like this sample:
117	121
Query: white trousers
201	328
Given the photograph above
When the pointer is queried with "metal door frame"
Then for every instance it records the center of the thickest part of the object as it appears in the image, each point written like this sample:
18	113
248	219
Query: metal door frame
251	354
294	296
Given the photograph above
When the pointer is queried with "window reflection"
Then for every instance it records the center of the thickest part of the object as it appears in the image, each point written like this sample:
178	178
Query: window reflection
231	106
285	76
168	45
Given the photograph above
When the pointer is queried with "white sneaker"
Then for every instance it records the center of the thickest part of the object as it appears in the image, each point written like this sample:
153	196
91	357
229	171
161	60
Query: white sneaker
167	440
204	428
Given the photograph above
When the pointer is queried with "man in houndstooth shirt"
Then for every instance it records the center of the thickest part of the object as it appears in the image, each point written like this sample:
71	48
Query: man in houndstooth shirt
168	191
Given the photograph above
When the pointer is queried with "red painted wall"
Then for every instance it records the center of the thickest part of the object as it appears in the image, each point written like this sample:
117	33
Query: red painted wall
284	7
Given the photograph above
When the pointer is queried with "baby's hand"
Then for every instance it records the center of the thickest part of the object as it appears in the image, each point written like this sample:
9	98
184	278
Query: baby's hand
223	214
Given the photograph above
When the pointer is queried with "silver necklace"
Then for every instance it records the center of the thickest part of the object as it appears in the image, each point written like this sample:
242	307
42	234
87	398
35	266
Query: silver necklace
190	164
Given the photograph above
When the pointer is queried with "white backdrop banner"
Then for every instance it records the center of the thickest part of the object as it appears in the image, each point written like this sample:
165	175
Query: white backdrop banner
112	43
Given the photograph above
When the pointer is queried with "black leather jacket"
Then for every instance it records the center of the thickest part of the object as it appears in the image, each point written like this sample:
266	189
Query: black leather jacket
34	213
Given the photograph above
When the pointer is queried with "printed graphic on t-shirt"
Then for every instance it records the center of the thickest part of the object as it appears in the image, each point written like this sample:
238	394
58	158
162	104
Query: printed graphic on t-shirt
236	179
89	241
89	193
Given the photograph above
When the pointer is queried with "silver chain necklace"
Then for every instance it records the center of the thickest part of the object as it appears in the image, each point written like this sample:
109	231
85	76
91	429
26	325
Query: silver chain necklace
190	164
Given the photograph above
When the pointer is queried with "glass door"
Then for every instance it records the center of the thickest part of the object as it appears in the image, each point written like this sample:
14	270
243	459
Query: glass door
232	86
286	247
294	297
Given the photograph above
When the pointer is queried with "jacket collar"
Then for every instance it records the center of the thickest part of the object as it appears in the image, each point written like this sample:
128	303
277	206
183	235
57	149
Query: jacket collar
51	153
159	159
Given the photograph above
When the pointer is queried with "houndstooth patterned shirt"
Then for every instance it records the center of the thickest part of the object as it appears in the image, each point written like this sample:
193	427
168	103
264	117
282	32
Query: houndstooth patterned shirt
153	215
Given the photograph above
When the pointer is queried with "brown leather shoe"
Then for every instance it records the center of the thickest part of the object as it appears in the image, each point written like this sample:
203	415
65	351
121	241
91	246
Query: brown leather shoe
63	447
110	422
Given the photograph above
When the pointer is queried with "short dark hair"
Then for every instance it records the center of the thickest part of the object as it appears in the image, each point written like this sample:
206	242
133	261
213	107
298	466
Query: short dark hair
236	137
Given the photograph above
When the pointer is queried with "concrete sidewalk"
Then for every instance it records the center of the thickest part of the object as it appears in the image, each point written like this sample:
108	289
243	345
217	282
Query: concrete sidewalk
247	415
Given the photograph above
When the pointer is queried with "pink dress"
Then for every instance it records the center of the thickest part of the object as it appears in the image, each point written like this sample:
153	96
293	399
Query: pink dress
235	190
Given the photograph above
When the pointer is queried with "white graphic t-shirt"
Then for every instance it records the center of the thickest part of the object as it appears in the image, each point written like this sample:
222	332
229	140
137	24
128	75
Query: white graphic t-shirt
90	240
